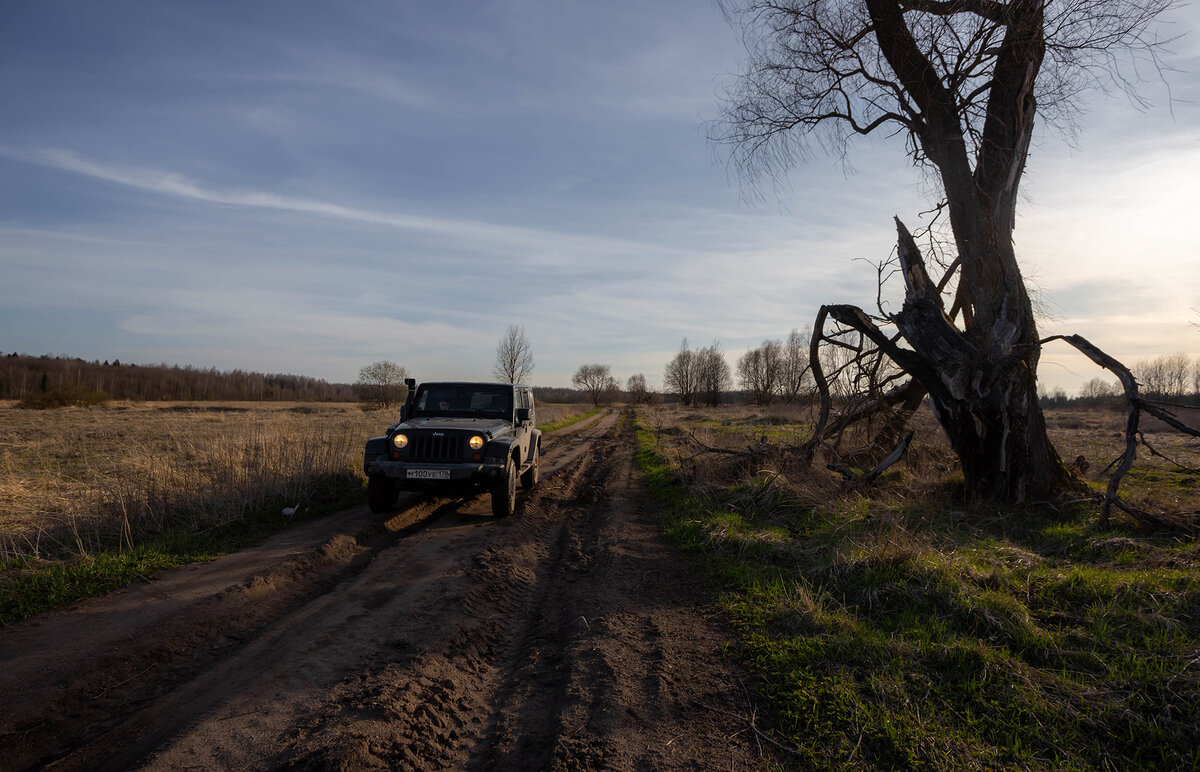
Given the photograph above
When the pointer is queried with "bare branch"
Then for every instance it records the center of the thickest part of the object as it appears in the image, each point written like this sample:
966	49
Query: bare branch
1135	407
891	458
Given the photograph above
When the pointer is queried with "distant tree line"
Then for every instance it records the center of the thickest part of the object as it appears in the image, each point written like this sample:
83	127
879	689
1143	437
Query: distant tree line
636	392
1173	377
559	395
24	377
1170	378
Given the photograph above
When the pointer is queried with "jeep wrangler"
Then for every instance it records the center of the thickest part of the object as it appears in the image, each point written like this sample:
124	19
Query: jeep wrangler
457	437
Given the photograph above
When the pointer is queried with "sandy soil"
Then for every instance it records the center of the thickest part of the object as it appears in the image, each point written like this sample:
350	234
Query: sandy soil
569	636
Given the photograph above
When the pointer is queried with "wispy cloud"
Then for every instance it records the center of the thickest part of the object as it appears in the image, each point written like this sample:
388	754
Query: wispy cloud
545	246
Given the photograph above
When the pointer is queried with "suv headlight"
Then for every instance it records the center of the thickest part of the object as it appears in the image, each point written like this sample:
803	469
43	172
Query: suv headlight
475	443
400	441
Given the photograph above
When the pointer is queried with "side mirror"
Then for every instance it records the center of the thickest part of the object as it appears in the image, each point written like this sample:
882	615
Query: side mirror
403	414
522	414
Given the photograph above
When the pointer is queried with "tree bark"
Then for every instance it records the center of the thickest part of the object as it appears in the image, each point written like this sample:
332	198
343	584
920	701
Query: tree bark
997	430
982	386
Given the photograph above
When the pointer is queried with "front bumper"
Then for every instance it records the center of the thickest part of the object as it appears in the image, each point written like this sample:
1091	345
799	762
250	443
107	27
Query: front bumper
478	473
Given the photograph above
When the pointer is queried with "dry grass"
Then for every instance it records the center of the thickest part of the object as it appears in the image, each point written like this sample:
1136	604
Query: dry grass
551	412
1088	440
71	479
75	479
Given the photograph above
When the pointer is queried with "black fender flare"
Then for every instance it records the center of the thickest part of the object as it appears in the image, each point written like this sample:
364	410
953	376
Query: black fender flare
376	450
501	449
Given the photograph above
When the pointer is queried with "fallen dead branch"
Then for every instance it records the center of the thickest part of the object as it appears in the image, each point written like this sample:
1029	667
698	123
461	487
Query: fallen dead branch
761	449
891	458
1135	406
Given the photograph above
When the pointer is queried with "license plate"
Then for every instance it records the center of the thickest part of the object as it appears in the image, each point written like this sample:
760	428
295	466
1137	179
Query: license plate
429	474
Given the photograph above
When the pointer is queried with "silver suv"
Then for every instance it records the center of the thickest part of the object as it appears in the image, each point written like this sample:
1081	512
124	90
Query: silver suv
457	437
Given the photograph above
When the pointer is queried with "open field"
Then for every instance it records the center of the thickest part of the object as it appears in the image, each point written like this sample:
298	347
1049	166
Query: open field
79	479
568	636
92	499
897	626
881	627
75	480
1156	482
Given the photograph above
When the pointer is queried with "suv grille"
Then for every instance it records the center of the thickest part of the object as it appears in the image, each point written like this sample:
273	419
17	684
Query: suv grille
427	447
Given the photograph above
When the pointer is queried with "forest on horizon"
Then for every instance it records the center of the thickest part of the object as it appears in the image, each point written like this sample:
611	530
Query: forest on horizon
22	376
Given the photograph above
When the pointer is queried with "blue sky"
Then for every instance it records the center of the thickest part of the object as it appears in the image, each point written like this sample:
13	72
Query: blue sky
307	188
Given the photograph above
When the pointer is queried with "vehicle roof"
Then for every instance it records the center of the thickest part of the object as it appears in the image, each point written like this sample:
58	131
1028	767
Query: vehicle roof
472	383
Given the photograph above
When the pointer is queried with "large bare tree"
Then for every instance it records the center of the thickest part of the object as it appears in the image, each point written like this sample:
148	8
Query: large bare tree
597	380
962	81
761	370
514	356
680	375
381	383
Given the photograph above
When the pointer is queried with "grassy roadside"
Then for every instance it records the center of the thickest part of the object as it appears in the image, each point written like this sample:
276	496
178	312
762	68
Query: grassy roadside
912	632
94	499
31	585
563	423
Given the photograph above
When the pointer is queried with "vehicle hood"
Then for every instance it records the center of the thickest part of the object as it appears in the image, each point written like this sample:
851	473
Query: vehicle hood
490	426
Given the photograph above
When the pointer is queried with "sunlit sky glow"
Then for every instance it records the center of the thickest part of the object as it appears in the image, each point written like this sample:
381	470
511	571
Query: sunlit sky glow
306	188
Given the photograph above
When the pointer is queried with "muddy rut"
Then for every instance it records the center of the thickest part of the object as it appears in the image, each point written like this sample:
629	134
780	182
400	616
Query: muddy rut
569	636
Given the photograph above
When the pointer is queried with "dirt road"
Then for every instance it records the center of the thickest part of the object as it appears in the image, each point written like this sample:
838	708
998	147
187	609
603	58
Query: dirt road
569	636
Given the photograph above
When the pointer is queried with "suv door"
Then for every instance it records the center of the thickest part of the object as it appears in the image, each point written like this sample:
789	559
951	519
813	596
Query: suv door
522	398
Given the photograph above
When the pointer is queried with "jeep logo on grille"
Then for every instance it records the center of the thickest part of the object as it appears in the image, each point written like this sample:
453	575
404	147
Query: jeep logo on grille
438	434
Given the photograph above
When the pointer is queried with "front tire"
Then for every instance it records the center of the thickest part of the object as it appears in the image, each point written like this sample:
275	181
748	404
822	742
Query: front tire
381	494
504	494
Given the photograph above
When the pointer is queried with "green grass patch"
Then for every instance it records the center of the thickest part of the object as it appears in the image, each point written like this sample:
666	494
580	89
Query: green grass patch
30	586
569	420
772	429
923	634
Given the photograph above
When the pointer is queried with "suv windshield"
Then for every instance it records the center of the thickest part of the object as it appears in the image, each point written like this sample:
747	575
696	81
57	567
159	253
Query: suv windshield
461	400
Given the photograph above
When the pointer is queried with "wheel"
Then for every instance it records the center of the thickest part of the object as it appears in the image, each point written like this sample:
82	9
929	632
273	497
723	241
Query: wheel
504	495
381	494
530	478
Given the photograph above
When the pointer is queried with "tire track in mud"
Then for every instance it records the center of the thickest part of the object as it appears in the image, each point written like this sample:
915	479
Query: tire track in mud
529	684
436	706
411	672
554	639
591	685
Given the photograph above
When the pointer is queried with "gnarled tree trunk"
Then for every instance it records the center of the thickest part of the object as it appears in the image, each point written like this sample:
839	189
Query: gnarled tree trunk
982	386
981	383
